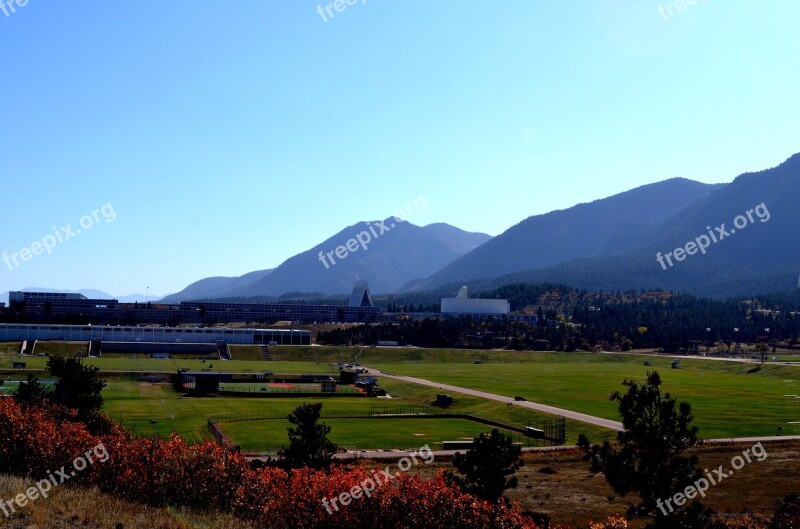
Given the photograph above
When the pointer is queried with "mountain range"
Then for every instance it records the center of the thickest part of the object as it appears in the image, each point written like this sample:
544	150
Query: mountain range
397	254
754	221
602	227
647	238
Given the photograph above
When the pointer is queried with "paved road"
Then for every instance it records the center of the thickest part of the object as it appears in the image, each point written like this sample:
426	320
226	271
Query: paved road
765	439
698	357
590	419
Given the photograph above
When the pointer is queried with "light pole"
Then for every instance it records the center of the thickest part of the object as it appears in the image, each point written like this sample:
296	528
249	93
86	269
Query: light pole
766	330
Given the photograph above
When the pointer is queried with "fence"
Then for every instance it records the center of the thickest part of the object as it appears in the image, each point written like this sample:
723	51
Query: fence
221	438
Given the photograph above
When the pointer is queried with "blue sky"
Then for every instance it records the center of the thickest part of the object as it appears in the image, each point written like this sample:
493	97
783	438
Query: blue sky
227	137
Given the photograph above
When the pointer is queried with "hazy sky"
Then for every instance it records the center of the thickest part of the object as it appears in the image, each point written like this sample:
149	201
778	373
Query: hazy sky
225	137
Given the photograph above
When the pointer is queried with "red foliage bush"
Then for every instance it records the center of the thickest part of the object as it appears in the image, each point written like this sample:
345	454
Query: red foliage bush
35	441
207	477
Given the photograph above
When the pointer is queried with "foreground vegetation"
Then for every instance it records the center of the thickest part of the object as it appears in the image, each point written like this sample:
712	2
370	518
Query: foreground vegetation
555	484
168	471
157	472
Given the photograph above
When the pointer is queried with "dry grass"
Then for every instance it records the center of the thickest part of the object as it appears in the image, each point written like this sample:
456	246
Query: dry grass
59	348
70	507
246	352
560	485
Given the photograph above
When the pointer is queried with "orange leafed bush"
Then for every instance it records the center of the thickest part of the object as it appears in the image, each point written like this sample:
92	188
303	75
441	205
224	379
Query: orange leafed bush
169	472
613	522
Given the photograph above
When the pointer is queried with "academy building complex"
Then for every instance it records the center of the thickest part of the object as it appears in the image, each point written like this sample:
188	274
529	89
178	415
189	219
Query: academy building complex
73	317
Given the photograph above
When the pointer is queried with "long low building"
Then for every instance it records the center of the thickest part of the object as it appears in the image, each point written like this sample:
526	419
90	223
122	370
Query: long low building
16	332
76	308
463	305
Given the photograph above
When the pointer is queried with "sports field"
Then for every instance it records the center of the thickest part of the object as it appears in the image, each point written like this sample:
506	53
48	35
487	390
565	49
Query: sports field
357	434
137	404
8	387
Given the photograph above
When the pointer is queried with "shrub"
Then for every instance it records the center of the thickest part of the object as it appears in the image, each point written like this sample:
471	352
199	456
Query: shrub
169	472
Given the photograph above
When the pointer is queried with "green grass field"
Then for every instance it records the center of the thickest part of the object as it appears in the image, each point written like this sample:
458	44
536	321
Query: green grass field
727	400
136	404
142	364
785	358
357	434
8	387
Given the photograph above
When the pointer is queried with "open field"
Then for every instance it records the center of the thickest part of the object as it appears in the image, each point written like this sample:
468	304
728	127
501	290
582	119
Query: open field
722	394
785	358
727	400
136	404
143	364
360	433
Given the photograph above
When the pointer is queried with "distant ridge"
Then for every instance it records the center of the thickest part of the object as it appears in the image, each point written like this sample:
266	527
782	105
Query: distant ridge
602	227
763	257
401	254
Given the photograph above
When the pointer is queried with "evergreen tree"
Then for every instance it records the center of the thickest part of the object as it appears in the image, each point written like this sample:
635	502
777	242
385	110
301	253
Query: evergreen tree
309	445
485	467
78	387
32	392
649	456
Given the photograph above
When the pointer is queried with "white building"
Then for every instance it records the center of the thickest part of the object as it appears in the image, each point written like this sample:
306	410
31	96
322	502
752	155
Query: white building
462	305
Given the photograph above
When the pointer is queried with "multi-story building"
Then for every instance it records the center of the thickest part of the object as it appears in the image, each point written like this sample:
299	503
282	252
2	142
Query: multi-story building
42	307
